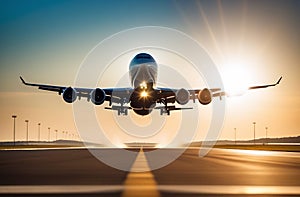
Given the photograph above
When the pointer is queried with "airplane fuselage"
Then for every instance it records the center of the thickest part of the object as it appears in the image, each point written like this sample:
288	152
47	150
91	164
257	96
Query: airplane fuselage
143	77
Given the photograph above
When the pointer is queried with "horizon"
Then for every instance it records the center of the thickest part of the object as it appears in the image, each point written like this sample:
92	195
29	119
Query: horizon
81	141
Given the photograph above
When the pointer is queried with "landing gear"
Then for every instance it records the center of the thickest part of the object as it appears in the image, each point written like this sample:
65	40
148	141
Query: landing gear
165	109
122	110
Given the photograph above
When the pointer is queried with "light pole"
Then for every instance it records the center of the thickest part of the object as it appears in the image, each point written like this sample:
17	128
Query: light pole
14	117
266	135
27	130
254	132
56	134
48	134
39	132
235	136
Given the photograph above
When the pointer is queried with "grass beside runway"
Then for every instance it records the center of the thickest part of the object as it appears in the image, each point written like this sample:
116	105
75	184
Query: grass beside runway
287	148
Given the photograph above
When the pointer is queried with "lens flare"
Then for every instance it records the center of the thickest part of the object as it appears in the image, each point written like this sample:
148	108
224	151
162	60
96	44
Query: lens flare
144	94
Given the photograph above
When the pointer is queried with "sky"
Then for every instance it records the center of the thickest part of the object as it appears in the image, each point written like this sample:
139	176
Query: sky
251	43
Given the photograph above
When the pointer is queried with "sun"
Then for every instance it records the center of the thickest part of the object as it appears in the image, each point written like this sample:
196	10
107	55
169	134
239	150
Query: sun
236	75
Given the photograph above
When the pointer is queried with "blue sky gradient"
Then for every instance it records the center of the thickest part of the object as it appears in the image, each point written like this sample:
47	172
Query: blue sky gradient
45	41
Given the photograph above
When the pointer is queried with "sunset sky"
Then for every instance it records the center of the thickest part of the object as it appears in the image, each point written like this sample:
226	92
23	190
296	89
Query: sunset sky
251	43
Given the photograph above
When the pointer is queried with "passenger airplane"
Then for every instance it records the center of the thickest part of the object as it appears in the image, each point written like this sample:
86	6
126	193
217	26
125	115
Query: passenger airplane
143	96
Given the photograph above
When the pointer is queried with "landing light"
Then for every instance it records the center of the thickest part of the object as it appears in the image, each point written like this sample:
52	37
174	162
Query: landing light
143	85
144	94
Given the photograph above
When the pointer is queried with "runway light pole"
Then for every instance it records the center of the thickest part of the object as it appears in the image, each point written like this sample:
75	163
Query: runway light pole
56	134
27	130
266	135
48	134
235	136
254	132
39	132
14	117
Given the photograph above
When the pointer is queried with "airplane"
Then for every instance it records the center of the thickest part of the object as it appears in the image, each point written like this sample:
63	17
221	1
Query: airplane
143	95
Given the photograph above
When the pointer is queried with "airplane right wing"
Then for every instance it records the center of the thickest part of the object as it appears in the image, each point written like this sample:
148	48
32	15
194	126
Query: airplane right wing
222	93
204	96
265	86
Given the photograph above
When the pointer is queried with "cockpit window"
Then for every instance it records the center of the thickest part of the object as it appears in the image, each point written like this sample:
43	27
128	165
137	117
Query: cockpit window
143	55
141	58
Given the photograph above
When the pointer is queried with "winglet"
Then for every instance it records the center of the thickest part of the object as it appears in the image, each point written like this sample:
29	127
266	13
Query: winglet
23	81
279	80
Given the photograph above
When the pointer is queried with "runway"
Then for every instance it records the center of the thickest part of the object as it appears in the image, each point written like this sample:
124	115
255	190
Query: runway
75	172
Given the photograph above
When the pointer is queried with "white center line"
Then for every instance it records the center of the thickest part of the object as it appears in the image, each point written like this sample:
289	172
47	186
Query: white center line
140	181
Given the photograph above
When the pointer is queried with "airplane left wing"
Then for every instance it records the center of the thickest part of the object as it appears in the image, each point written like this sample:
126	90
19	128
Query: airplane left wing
52	88
117	95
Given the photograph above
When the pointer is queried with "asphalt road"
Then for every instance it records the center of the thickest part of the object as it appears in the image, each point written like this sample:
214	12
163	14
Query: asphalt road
75	172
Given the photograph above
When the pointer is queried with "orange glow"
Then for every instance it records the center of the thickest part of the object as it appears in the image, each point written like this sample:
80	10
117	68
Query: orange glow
144	94
236	76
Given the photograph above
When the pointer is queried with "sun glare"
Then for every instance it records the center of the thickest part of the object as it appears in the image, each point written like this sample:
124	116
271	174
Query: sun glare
236	77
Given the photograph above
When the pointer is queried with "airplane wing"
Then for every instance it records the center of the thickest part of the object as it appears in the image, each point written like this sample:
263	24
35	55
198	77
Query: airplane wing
222	93
122	96
169	95
265	86
52	88
116	95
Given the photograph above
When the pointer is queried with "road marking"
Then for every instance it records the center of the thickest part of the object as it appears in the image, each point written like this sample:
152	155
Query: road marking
140	181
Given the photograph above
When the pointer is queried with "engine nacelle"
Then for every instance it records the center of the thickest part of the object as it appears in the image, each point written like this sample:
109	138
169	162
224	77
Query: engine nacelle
182	96
97	96
69	95
204	96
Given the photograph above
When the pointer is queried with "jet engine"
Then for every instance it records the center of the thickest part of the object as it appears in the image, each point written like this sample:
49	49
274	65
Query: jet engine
97	96
182	96
69	95
204	96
